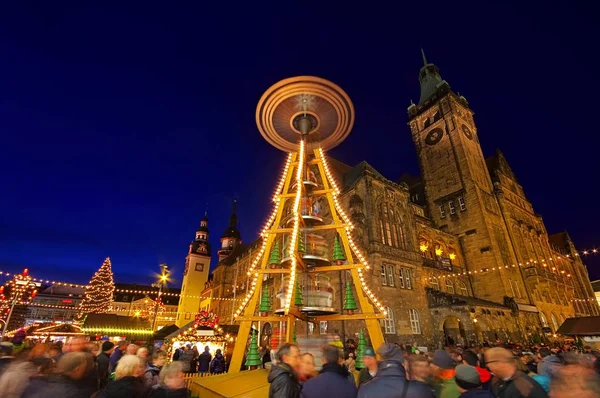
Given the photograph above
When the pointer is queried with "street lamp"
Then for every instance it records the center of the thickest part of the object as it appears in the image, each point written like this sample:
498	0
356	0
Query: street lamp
164	277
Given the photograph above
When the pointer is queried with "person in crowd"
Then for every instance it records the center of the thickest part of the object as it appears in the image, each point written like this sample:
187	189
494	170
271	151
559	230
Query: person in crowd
27	365
187	358
548	365
350	362
93	348
332	380
342	363
282	377
419	370
370	369
128	382
218	363
18	341
469	384
390	380
306	367
470	358
204	360
6	356
151	374
575	380
132	349
64	382
443	369
142	352
508	382
172	383
530	363
56	351
266	357
103	362
118	352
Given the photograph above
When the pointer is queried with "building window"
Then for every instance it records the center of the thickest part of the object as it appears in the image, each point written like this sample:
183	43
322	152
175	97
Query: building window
512	289
389	322
415	323
387	275
544	320
452	208
461	203
323	327
435	284
404	278
390	229
442	212
554	322
463	289
449	286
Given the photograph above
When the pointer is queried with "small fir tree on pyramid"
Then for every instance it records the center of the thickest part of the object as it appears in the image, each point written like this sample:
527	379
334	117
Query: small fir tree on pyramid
294	340
99	293
360	350
338	253
298	299
265	302
301	248
253	357
274	258
349	302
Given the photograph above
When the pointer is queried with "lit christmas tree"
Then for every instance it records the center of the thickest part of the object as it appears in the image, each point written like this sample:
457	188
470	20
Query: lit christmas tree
298	300
349	302
99	293
274	258
360	350
265	302
338	253
253	357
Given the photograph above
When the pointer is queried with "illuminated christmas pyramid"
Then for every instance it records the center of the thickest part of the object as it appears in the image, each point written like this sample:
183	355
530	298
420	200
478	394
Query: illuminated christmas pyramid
304	116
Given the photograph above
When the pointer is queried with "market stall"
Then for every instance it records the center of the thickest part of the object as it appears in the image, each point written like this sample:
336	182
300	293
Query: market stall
114	327
52	332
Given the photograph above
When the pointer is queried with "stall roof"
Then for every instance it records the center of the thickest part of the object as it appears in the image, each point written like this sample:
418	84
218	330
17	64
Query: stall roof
165	331
232	329
115	324
582	326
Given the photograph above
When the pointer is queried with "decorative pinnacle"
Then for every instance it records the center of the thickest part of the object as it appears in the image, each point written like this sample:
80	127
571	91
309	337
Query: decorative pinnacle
424	57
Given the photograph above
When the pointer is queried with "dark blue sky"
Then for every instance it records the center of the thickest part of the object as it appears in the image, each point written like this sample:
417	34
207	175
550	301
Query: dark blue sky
120	124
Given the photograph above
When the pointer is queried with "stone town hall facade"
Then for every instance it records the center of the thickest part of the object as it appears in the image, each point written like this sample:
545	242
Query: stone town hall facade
458	254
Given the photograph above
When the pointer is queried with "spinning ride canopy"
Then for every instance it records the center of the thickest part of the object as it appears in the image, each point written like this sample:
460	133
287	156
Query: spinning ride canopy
305	106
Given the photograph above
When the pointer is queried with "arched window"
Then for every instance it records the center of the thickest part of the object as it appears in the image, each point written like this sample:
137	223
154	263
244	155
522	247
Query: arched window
544	320
554	322
391	232
449	286
415	323
389	322
435	284
463	289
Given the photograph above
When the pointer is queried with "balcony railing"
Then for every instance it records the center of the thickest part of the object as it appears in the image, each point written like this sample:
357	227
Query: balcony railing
439	263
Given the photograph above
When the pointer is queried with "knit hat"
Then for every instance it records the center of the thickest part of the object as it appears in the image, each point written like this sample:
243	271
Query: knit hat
369	352
467	377
107	345
442	359
390	352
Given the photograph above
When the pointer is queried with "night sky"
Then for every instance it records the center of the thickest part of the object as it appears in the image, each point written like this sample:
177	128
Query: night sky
121	125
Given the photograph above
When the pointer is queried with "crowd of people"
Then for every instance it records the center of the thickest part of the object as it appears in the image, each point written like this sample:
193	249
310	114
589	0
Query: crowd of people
84	369
403	372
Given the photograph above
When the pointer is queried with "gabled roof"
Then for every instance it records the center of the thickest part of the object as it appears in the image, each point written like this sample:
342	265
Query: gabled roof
498	163
560	240
582	326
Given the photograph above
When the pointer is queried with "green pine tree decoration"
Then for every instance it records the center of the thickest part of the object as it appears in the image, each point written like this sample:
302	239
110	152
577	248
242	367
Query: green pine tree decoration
349	302
274	258
99	293
360	351
265	302
301	248
298	299
338	253
253	357
294	340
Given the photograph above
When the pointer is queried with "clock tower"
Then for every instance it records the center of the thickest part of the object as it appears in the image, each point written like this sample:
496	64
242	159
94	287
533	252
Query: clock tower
459	191
195	275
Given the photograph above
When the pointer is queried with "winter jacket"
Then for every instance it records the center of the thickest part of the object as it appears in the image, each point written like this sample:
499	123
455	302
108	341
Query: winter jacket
485	376
103	364
477	393
218	364
54	386
332	382
151	375
390	382
126	387
204	362
284	382
114	358
186	358
446	387
543	381
518	386
159	391
364	376
549	365
15	379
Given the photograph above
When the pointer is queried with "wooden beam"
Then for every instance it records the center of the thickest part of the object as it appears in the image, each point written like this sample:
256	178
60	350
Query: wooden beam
327	268
315	192
315	228
274	271
253	318
356	317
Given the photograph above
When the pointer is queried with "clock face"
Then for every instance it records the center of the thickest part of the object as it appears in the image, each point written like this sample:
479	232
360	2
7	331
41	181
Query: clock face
434	136
199	267
467	132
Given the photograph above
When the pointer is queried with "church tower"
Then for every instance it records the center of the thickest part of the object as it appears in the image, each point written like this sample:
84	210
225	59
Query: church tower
459	191
195	275
231	237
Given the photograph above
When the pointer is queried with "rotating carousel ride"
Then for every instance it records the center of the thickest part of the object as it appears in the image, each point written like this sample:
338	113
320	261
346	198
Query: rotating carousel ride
307	239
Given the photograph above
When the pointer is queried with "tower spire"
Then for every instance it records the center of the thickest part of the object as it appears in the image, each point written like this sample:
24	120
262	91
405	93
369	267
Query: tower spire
424	57
430	79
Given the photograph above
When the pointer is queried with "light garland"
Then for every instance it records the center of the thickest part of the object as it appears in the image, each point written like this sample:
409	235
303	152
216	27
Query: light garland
349	228
264	236
294	237
116	331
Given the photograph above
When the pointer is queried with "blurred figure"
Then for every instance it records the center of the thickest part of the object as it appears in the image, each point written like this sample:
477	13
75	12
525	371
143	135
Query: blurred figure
71	368
151	375
118	352
332	380
575	381
418	368
306	367
6	356
186	358
370	369
172	383
266	358
508	382
443	373
469	383
204	360
103	361
350	362
93	348
470	358
390	380
18	341
282	377
17	375
131	349
128	382
217	365
142	352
